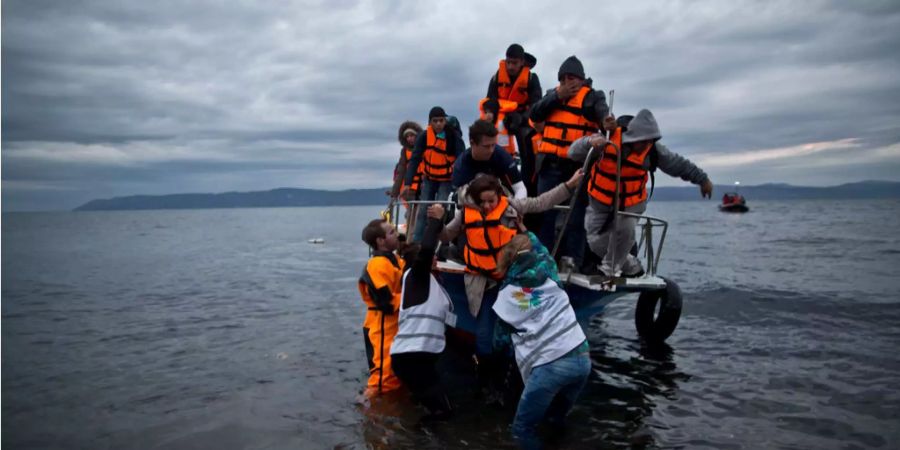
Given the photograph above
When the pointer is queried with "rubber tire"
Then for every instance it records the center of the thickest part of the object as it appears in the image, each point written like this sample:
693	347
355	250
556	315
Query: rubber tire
656	329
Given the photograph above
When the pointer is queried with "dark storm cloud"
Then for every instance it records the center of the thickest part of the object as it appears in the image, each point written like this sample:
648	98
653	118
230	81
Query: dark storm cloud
112	98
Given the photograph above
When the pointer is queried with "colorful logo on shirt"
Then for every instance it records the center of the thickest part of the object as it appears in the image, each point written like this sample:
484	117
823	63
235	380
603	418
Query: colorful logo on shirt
528	298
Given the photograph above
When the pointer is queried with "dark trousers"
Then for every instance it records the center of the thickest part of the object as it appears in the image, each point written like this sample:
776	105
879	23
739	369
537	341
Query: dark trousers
555	170
417	372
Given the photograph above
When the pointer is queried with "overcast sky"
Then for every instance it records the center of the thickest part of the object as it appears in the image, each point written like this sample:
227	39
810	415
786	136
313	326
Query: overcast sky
109	98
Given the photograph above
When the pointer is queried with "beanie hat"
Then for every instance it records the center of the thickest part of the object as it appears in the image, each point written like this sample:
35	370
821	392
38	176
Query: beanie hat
571	66
437	111
515	51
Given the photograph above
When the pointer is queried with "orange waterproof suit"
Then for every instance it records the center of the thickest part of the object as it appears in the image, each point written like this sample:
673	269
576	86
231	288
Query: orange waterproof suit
379	285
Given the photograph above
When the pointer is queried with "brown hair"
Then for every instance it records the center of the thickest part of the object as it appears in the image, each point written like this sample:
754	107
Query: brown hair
484	183
372	232
482	128
510	251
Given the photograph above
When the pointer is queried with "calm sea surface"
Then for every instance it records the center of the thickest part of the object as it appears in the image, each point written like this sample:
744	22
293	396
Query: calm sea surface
226	329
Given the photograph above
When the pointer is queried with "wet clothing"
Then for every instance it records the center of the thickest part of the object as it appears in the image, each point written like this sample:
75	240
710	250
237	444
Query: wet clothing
425	306
379	287
551	348
549	395
425	309
501	165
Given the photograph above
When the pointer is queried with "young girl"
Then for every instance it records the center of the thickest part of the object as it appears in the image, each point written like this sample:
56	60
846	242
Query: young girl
489	220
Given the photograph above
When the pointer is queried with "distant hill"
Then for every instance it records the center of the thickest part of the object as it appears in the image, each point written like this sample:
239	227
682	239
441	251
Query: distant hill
314	197
259	199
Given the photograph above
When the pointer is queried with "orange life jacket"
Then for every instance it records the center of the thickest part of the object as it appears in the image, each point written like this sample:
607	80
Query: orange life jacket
417	178
566	124
380	328
633	178
438	161
503	137
485	236
513	91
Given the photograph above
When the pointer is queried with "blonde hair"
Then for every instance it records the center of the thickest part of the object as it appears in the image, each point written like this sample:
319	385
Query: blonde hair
518	244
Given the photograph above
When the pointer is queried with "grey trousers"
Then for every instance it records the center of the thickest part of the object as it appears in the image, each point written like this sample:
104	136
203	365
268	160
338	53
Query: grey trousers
602	243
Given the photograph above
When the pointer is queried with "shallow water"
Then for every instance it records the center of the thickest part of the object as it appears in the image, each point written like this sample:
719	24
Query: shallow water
226	329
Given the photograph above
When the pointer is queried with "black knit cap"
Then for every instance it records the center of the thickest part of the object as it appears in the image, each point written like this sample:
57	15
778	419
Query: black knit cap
571	66
437	111
515	51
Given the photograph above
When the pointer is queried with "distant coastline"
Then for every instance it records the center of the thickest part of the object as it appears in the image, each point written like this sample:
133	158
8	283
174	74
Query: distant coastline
293	197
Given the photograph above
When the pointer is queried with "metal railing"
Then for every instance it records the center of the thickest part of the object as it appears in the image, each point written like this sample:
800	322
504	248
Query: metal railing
651	254
395	206
646	239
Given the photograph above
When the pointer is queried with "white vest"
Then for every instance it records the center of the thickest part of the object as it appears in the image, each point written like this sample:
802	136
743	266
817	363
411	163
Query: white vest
421	327
544	323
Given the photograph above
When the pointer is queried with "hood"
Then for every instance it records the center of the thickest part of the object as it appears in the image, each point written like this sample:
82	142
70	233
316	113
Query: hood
642	127
404	126
464	199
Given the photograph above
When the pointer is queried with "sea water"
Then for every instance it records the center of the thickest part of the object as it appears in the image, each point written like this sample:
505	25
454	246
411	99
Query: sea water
227	329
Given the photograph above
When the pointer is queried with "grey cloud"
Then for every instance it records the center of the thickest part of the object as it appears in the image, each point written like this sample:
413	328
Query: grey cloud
312	87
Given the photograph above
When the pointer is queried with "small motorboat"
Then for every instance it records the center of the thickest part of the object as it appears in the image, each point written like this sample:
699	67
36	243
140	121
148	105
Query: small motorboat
316	241
733	202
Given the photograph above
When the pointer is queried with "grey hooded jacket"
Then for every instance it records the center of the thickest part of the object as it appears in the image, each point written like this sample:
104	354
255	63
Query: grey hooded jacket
644	127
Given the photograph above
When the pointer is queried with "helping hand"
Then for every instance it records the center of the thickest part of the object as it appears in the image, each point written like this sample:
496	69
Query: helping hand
576	178
436	211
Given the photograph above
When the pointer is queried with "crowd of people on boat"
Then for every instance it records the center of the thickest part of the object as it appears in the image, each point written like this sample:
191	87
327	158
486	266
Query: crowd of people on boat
528	152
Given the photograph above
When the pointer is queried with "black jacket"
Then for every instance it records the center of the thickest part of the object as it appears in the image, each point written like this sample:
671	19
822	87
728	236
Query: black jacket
594	107
455	147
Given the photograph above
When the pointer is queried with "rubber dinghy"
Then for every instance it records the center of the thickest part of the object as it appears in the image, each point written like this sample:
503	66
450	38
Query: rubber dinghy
734	203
